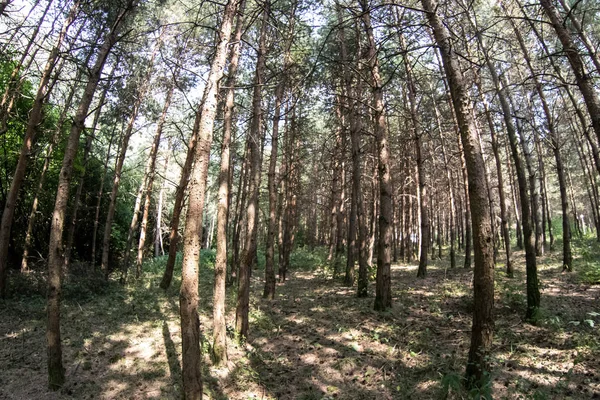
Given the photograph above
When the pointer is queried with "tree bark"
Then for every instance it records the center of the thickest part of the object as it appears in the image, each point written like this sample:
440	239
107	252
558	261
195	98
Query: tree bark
254	156
35	117
139	99
56	371
582	77
151	170
533	293
188	295
483	280
219	348
383	293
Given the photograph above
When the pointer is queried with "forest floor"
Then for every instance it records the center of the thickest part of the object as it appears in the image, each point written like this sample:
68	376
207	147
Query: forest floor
316	340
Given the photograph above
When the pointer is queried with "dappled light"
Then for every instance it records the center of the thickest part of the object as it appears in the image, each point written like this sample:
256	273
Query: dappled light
299	199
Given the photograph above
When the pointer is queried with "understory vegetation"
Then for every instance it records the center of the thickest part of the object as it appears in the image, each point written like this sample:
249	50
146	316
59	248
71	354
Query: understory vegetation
316	340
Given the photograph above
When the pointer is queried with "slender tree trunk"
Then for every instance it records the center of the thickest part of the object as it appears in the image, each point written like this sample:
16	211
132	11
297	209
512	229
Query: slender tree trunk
219	348
584	80
270	279
501	195
567	255
483	321
35	118
240	204
533	294
383	293
188	297
348	118
450	188
76	200
15	81
57	134
88	148
158	241
338	189
423	197
151	173
133	227
254	156
99	199
140	97
56	371
178	205
292	187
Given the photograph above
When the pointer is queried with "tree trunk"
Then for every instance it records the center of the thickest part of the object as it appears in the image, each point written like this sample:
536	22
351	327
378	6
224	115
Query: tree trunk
555	144
133	227
416	131
178	205
56	372
35	118
15	81
188	296
219	348
501	195
151	173
584	80
533	294
88	148
55	138
254	156
139	99
383	293
158	240
483	280
99	199
270	279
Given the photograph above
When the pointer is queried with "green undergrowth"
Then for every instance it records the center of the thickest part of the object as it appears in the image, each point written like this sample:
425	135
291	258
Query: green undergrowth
587	261
417	350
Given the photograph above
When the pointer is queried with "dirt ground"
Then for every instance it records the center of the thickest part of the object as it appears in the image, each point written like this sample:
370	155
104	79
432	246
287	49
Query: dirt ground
315	341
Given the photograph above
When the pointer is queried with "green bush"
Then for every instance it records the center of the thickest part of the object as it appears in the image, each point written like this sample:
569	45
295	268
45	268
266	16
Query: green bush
304	259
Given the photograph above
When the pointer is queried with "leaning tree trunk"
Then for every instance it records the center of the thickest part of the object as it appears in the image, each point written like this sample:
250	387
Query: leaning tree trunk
140	97
35	117
88	148
15	82
483	279
178	205
188	296
151	173
219	348
56	372
51	146
254	156
555	144
584	80
533	293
